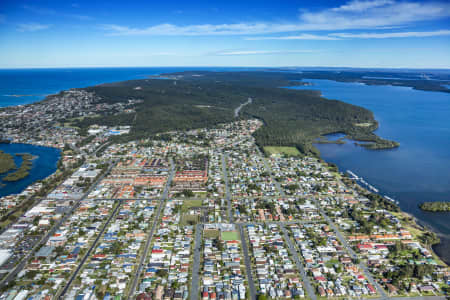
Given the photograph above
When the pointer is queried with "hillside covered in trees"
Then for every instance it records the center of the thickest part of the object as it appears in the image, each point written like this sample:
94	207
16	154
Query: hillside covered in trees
203	99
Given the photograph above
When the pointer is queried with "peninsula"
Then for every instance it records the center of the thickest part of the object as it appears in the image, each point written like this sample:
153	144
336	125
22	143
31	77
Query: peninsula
191	99
203	184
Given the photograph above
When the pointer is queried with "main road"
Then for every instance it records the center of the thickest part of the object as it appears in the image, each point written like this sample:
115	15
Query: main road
151	232
238	109
227	188
269	170
293	251
88	253
251	283
194	292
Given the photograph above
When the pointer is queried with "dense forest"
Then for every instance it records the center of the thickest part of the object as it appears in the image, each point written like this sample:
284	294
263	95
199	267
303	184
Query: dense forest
435	206
203	99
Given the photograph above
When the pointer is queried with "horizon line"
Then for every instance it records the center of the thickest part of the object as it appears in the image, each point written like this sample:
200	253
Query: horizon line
218	66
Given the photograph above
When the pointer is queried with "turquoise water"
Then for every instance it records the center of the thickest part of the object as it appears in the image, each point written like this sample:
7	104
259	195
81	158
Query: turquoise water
44	165
417	171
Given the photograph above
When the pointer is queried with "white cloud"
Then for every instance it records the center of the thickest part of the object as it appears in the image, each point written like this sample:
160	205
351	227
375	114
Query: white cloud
386	35
204	29
346	35
304	36
370	14
373	15
259	52
31	27
362	5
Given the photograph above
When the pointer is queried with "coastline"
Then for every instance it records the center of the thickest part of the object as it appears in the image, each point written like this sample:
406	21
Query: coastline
413	224
416	222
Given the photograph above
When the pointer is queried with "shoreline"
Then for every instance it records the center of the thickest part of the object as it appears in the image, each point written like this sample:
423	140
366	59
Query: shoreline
416	221
409	220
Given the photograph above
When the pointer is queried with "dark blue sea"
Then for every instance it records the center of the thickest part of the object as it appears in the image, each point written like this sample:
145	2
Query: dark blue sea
417	171
44	165
23	86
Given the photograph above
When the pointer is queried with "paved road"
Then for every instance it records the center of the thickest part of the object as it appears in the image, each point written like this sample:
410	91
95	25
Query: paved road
280	222
352	253
19	267
293	251
127	199
238	109
416	298
196	265
150	234
80	265
251	283
227	188
106	144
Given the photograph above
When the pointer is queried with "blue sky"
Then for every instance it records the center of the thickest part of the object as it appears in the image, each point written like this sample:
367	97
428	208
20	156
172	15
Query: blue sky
355	33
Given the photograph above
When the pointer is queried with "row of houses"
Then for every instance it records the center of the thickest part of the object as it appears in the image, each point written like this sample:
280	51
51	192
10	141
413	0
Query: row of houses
332	271
276	274
222	267
111	266
167	269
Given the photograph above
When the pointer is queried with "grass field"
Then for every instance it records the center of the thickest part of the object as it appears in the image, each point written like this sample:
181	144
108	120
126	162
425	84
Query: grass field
229	235
187	204
211	234
290	151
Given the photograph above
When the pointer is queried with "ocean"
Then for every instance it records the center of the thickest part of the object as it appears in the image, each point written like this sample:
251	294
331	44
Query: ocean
23	86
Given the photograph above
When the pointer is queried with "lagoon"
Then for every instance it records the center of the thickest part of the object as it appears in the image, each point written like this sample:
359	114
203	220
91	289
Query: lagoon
44	165
415	172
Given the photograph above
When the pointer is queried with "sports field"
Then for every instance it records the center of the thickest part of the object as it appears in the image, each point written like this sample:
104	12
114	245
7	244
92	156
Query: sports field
229	235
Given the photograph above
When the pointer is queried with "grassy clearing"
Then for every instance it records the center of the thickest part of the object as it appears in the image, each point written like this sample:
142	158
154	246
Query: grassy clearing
188	204
290	151
200	194
211	234
229	235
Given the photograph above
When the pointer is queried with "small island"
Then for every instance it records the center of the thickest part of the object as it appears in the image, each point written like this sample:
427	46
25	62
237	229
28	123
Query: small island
23	170
6	162
437	206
